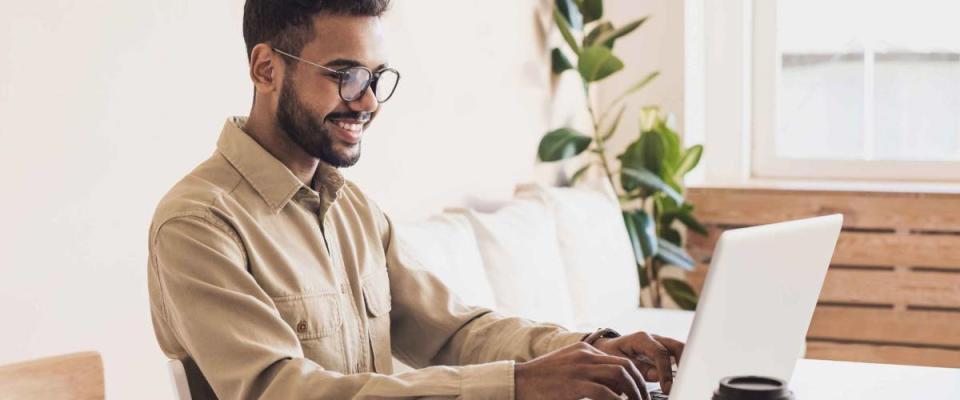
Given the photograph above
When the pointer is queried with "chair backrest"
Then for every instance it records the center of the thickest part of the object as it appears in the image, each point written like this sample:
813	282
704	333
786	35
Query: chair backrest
68	377
188	382
178	376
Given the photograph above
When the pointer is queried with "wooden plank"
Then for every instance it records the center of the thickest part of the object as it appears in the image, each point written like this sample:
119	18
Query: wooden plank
886	325
883	354
868	249
906	288
940	251
69	377
939	212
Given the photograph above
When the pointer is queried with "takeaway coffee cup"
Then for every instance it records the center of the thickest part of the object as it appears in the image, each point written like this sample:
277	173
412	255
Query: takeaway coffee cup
752	388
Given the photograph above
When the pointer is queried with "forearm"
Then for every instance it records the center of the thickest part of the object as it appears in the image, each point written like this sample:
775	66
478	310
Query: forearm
492	336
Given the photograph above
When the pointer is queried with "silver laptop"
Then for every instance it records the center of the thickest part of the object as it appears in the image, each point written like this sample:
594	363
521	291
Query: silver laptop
756	304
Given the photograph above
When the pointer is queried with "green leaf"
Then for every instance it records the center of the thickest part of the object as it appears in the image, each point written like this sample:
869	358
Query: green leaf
577	175
631	225
570	13
651	181
681	292
598	62
614	125
610	38
592	10
654	149
600	29
646	231
686	217
672	235
649	116
644	279
561	144
645	153
675	255
689	161
632	157
671	154
636	86
559	61
564	27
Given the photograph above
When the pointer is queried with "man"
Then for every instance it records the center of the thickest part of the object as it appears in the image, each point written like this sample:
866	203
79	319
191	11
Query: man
281	280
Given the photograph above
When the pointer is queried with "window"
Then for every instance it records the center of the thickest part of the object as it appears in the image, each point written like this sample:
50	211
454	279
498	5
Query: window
861	88
841	89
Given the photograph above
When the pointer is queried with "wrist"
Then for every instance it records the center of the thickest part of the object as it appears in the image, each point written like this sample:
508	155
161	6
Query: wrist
600	334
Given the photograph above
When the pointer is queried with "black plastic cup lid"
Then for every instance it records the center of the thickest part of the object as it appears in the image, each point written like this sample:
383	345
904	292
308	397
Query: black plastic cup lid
752	388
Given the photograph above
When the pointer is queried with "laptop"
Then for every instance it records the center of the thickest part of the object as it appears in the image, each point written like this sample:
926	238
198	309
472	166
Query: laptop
756	304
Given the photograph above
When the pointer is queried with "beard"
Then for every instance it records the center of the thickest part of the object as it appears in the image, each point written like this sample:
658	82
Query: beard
307	130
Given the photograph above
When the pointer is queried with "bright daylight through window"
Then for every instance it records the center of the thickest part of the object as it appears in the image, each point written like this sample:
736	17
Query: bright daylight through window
867	80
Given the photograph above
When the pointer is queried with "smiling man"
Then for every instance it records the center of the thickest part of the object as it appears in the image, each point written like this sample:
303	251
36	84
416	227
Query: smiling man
281	280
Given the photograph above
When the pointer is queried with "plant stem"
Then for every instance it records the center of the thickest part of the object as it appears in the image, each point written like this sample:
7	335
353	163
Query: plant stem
601	148
601	153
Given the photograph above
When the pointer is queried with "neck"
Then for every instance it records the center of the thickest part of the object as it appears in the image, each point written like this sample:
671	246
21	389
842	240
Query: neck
264	129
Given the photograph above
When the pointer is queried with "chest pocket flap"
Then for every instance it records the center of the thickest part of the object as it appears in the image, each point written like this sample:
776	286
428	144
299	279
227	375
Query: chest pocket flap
311	316
376	293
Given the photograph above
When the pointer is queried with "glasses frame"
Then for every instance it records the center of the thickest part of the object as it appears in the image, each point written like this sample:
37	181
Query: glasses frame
341	73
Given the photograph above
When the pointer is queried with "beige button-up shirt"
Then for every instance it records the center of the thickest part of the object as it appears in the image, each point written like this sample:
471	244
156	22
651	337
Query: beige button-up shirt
280	291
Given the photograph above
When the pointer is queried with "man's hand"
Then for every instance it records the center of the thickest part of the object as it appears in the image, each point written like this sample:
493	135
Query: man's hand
578	371
651	355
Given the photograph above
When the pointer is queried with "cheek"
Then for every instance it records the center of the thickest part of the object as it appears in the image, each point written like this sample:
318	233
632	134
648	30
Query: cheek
320	98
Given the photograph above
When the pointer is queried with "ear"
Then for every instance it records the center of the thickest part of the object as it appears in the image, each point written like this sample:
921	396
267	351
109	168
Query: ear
265	69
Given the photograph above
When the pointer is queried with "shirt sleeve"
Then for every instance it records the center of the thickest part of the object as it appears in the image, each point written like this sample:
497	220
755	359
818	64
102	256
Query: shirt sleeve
431	326
212	307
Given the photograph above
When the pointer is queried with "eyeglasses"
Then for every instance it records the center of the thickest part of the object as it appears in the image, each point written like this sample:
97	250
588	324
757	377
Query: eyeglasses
354	81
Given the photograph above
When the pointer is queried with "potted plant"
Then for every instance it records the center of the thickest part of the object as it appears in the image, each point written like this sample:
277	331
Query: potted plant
648	178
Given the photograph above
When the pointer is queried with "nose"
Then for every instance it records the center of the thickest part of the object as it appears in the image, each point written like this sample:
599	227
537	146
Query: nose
367	102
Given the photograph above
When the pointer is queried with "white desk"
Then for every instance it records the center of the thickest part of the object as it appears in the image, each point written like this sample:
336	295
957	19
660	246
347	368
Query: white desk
822	380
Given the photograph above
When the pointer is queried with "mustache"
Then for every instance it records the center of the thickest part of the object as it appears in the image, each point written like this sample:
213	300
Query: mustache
361	116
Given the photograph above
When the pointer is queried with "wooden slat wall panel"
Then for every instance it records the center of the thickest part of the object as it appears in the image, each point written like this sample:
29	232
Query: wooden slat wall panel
886	325
881	285
882	354
939	212
893	291
871	249
895	287
920	250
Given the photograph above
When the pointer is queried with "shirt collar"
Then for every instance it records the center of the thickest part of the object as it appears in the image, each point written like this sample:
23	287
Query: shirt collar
271	179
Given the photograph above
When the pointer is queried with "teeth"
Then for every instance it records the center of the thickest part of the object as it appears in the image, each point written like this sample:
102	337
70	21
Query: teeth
350	127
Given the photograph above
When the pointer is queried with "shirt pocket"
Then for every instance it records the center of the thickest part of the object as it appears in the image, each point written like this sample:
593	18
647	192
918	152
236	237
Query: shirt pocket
317	321
376	296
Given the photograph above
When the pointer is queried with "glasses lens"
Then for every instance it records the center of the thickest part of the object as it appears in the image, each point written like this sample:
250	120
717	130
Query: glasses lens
353	82
386	84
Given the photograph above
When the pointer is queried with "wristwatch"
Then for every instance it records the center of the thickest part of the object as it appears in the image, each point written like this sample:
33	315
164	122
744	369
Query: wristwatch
603	333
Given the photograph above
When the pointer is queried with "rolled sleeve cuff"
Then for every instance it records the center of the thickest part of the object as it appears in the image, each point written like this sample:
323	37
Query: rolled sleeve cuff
564	339
487	381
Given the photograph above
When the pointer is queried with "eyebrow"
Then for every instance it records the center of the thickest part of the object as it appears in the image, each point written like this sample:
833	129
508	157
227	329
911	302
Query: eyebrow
344	62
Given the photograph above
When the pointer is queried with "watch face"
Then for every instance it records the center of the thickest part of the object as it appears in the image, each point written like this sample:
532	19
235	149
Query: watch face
609	333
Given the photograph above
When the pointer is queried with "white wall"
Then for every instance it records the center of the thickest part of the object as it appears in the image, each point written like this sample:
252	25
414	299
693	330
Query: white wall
658	45
104	104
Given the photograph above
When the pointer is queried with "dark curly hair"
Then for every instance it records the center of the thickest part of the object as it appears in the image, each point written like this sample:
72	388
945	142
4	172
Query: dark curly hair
288	24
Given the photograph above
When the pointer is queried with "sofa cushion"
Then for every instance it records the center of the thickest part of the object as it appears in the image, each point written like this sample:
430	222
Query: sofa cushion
522	260
446	246
595	250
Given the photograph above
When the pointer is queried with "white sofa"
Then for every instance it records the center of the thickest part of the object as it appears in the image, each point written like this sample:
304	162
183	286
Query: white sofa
558	255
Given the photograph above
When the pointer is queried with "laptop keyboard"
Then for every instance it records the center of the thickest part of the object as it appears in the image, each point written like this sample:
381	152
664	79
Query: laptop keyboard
658	395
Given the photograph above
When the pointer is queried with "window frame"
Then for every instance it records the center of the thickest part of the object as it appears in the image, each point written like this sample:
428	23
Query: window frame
741	67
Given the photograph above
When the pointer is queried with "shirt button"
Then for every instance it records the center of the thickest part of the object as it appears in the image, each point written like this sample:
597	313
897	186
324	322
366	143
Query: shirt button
302	326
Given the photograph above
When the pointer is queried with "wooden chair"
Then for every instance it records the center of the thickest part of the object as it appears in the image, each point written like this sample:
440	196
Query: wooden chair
188	382
68	377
